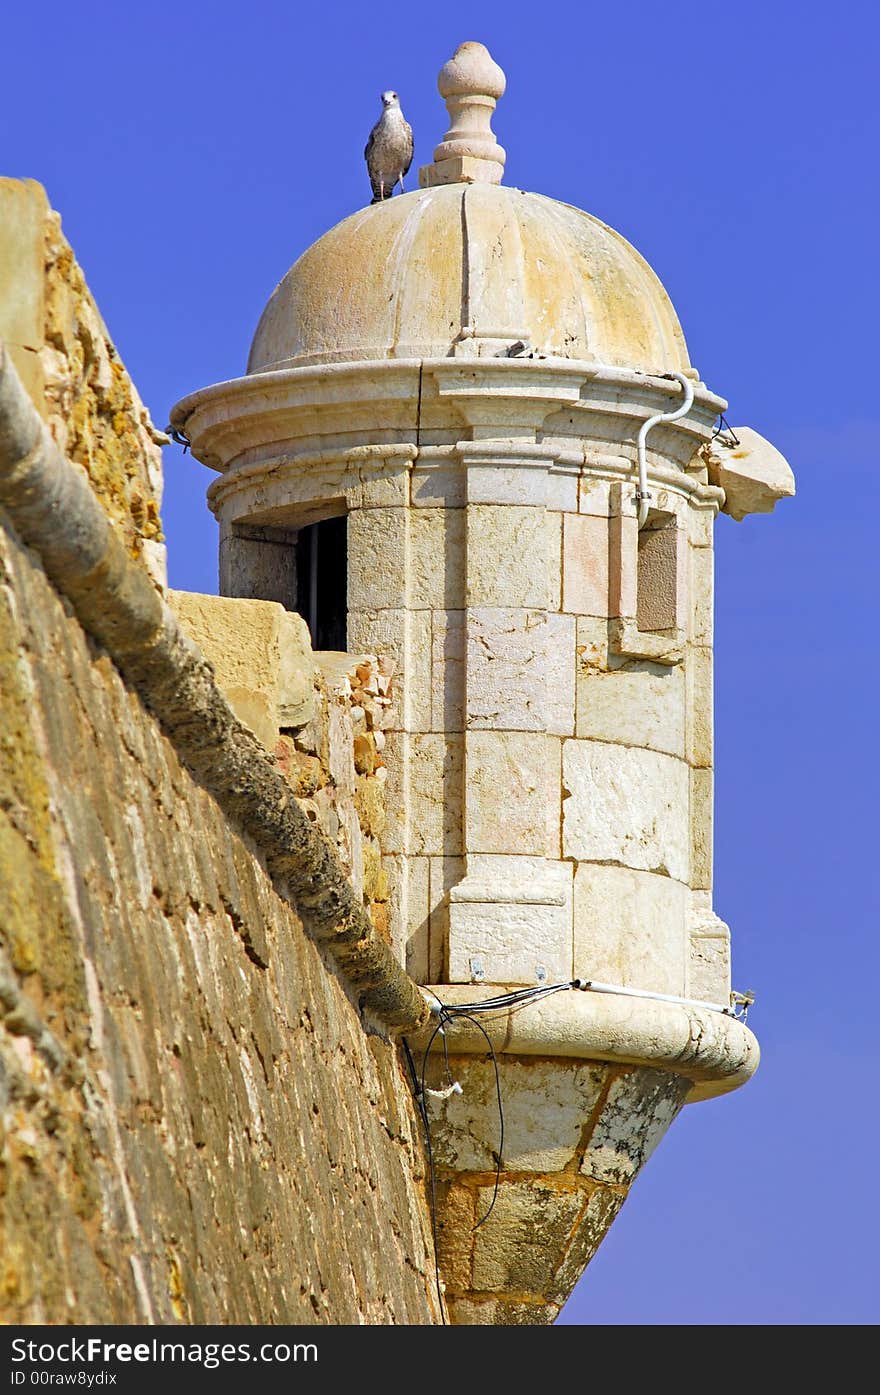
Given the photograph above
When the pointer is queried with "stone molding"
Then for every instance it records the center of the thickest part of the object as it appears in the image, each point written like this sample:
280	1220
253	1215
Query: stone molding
349	464
332	407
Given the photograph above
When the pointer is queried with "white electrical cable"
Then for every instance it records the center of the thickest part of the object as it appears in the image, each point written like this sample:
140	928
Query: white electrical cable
590	985
642	495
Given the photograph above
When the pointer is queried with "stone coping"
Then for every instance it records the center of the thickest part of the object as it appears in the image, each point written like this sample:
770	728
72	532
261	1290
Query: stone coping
54	510
718	1053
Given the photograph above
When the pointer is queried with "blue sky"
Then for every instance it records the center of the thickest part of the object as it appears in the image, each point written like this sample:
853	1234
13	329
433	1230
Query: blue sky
195	150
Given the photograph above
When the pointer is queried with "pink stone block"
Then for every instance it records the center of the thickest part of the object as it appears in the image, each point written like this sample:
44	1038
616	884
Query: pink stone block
585	565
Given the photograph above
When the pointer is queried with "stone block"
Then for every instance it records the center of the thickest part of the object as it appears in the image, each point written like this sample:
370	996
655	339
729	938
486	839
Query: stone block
709	958
242	639
518	1251
594	496
296	678
461	169
623	540
350	843
639	1109
701	525
702	586
627	641
514	915
641	705
341	748
701	829
438	484
455	1234
510	941
380	488
506	669
507	484
377	559
626	806
512	557
446	872
256	564
407	879
658	603
512	792
435	794
561	667
447	684
590	1231
437	558
397	797
591	643
369	799
545	1107
500	1312
630	928
700	710
563	488
585	565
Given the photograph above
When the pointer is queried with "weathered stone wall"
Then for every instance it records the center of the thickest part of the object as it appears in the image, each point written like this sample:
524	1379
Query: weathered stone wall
73	372
195	1124
321	716
196	1127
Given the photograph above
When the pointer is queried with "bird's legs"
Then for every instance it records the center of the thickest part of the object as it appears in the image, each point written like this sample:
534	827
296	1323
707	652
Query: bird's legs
402	190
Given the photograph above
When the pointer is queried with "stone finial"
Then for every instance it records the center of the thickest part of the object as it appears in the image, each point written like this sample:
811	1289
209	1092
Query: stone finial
470	84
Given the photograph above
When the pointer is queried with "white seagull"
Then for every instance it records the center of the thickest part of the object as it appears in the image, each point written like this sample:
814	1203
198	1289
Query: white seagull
389	150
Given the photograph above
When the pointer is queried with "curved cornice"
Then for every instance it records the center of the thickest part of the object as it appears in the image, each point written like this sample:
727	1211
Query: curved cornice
336	408
718	1053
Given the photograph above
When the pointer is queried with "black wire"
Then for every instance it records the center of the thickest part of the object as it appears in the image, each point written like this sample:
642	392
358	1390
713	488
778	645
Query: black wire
724	425
419	1092
446	1013
446	1057
180	437
431	1171
506	1000
498	1155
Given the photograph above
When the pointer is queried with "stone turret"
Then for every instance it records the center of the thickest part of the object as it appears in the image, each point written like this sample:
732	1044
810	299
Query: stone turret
434	457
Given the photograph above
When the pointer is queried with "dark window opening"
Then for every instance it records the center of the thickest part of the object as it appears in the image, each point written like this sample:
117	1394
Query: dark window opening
321	581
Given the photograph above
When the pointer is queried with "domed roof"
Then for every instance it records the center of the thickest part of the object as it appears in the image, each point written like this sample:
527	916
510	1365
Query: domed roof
466	268
469	269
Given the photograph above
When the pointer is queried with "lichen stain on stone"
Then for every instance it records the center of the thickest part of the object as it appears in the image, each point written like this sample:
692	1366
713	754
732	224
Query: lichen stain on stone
176	1292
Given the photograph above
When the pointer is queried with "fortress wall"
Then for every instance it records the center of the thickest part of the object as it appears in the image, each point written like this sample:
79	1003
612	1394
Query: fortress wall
196	1126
